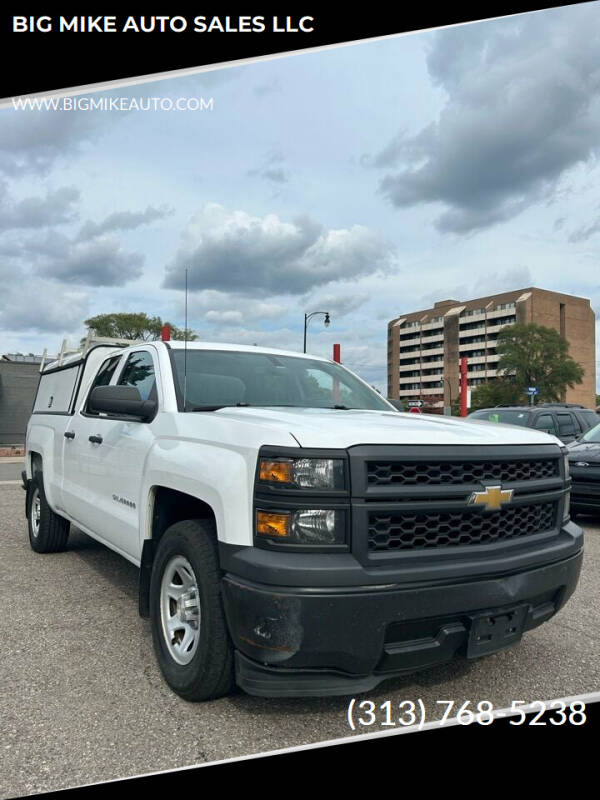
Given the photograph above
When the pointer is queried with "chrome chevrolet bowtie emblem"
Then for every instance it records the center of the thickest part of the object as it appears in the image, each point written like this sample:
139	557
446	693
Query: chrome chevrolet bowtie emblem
492	497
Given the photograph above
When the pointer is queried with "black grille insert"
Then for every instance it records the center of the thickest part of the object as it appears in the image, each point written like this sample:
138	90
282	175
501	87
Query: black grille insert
430	473
419	531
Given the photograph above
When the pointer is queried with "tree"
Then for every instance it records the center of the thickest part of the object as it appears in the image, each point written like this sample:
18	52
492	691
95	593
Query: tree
134	326
533	355
498	392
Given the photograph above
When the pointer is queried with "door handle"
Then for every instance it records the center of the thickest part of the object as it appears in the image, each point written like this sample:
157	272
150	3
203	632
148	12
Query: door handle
69	434
95	439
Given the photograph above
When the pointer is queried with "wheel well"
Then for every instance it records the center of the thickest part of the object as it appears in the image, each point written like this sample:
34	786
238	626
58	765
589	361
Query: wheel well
35	460
169	507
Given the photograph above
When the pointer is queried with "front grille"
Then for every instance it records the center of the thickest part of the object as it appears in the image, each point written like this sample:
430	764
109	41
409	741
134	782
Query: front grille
430	473
420	531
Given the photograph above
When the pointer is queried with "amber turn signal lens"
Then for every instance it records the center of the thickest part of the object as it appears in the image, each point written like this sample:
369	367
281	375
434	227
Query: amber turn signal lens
269	524
276	471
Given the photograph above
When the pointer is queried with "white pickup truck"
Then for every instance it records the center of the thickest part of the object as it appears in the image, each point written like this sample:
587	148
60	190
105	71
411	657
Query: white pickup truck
294	532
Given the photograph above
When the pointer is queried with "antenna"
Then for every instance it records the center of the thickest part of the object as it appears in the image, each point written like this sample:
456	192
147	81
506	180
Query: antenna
185	333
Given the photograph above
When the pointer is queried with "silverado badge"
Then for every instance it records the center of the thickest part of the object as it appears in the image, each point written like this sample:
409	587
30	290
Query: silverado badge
492	497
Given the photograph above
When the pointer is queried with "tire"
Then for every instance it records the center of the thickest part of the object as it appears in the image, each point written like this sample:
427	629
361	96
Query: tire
48	532
190	635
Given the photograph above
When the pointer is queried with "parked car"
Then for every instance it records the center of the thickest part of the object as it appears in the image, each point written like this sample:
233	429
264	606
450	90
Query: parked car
293	531
567	421
584	465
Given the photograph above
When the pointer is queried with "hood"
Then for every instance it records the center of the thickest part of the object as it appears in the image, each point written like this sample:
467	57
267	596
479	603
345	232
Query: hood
584	451
324	427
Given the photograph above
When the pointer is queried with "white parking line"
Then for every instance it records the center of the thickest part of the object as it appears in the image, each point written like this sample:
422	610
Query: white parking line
11	483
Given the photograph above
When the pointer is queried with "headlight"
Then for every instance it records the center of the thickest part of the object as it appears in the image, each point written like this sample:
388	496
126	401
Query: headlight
303	473
306	526
567	506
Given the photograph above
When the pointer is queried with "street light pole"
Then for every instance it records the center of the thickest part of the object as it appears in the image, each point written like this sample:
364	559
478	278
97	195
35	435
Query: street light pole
307	317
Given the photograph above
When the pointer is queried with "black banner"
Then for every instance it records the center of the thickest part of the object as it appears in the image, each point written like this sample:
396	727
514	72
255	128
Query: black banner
65	49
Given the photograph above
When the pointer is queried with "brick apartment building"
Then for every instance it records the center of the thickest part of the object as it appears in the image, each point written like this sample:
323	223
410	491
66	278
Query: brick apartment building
425	347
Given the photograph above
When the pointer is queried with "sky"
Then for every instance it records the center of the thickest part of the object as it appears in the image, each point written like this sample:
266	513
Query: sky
366	180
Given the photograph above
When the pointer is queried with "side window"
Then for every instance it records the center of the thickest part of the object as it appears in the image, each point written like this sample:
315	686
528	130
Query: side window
590	419
103	376
545	422
566	425
139	372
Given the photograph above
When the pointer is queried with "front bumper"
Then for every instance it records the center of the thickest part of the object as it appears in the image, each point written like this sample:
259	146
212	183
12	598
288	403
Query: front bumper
294	641
585	489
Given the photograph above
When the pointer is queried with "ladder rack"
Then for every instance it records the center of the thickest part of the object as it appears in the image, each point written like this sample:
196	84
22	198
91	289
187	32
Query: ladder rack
91	340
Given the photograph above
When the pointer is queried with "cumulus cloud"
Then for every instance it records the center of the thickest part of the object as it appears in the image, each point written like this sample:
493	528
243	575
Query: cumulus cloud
123	221
54	208
522	108
94	257
31	141
101	261
235	251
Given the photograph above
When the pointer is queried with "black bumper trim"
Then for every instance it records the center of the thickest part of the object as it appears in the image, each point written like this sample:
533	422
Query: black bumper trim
295	643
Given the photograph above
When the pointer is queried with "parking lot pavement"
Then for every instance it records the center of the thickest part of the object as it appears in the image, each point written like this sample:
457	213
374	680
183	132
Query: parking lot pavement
82	699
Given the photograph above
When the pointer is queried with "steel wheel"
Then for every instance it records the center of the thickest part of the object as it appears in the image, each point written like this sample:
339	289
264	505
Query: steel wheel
180	609
36	513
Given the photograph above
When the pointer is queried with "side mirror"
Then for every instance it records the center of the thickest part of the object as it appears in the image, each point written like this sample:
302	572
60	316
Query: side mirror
123	401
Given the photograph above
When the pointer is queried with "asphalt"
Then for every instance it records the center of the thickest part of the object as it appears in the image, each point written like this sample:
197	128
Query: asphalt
82	699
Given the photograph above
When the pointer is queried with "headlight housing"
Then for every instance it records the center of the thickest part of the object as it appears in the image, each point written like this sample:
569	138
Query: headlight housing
304	526
321	474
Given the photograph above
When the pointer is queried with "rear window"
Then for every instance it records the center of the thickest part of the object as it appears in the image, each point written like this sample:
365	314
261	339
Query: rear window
590	418
503	415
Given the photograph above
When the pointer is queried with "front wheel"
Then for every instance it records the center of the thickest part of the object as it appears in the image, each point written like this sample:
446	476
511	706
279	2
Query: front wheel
189	630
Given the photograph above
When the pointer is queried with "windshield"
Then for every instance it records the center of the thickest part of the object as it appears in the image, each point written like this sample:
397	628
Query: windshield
217	378
503	415
593	435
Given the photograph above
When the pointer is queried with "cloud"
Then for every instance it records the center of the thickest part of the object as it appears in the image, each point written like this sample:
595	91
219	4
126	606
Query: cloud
585	232
249	312
37	212
225	317
257	256
98	262
42	306
271	169
522	108
31	141
123	221
94	257
339	305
